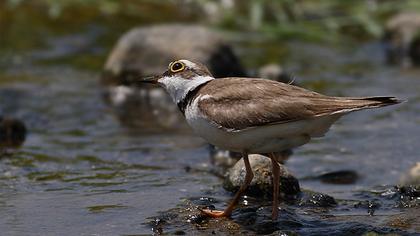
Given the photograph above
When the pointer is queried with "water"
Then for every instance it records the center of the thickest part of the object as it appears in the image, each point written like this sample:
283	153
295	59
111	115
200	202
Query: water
81	173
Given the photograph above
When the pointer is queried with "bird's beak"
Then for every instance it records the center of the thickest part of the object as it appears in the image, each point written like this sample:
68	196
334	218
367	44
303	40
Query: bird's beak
139	82
150	79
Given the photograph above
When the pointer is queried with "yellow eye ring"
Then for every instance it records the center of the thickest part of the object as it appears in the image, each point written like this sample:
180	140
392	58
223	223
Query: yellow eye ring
176	66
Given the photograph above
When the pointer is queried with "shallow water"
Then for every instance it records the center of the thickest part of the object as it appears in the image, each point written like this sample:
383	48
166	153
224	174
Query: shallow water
80	171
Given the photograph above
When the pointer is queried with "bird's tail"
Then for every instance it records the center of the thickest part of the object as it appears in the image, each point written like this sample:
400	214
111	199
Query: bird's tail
359	103
378	101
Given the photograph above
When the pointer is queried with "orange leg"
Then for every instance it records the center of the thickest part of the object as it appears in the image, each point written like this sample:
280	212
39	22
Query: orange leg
276	185
228	211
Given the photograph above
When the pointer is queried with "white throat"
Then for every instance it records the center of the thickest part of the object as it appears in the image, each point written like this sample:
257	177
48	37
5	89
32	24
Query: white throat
179	87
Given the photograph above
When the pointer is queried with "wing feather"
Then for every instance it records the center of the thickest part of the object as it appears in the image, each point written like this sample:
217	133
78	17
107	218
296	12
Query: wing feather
240	103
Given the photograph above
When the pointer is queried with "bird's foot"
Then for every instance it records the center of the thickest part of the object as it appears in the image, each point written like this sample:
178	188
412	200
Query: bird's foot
214	213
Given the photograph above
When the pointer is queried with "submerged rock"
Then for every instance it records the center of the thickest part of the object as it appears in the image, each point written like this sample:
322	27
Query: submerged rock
403	196
262	184
370	206
402	38
339	177
409	196
146	51
12	132
317	200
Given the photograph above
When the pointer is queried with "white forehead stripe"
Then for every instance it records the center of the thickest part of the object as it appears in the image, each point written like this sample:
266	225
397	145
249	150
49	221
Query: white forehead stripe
189	64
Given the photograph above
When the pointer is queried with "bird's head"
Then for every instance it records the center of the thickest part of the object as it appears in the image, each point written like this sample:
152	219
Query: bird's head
181	77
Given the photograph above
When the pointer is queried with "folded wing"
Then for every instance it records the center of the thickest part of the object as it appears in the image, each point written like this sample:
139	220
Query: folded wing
241	103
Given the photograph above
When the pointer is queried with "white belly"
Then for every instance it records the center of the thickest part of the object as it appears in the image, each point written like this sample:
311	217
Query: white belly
262	139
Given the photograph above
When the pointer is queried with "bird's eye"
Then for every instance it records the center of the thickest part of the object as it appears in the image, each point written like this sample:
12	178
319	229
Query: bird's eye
177	66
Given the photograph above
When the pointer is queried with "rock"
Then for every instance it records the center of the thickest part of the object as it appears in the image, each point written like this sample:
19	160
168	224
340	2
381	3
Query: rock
261	185
226	159
147	51
409	196
402	39
222	160
317	200
339	177
413	176
370	206
12	132
274	72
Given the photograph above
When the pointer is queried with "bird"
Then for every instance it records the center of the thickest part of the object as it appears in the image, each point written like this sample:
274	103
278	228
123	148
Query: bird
253	115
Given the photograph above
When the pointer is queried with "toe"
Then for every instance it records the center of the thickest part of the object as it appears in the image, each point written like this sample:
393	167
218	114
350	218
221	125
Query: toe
213	213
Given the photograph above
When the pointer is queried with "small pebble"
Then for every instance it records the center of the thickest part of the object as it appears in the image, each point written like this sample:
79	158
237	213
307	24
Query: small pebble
318	200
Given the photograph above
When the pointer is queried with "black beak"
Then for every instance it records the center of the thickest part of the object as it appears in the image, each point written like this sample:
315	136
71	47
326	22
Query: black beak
150	79
141	81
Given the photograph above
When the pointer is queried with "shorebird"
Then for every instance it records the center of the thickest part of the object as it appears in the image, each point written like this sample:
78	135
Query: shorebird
253	115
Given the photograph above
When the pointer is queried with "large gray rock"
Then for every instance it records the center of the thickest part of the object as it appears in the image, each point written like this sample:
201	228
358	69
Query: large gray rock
147	51
262	183
402	38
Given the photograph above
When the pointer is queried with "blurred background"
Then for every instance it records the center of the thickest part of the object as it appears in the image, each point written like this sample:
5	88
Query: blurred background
98	156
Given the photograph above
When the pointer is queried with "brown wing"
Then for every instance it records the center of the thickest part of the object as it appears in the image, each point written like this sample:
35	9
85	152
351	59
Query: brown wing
241	103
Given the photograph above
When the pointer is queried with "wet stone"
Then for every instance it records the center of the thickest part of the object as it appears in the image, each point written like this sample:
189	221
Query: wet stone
409	196
148	50
256	219
339	177
222	160
157	223
12	132
371	206
402	196
317	200
197	219
205	202
261	184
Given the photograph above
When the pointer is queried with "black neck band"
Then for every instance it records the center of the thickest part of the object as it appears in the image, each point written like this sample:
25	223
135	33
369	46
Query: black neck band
182	105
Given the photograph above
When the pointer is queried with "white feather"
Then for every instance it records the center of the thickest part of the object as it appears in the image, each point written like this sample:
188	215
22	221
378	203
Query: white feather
178	87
